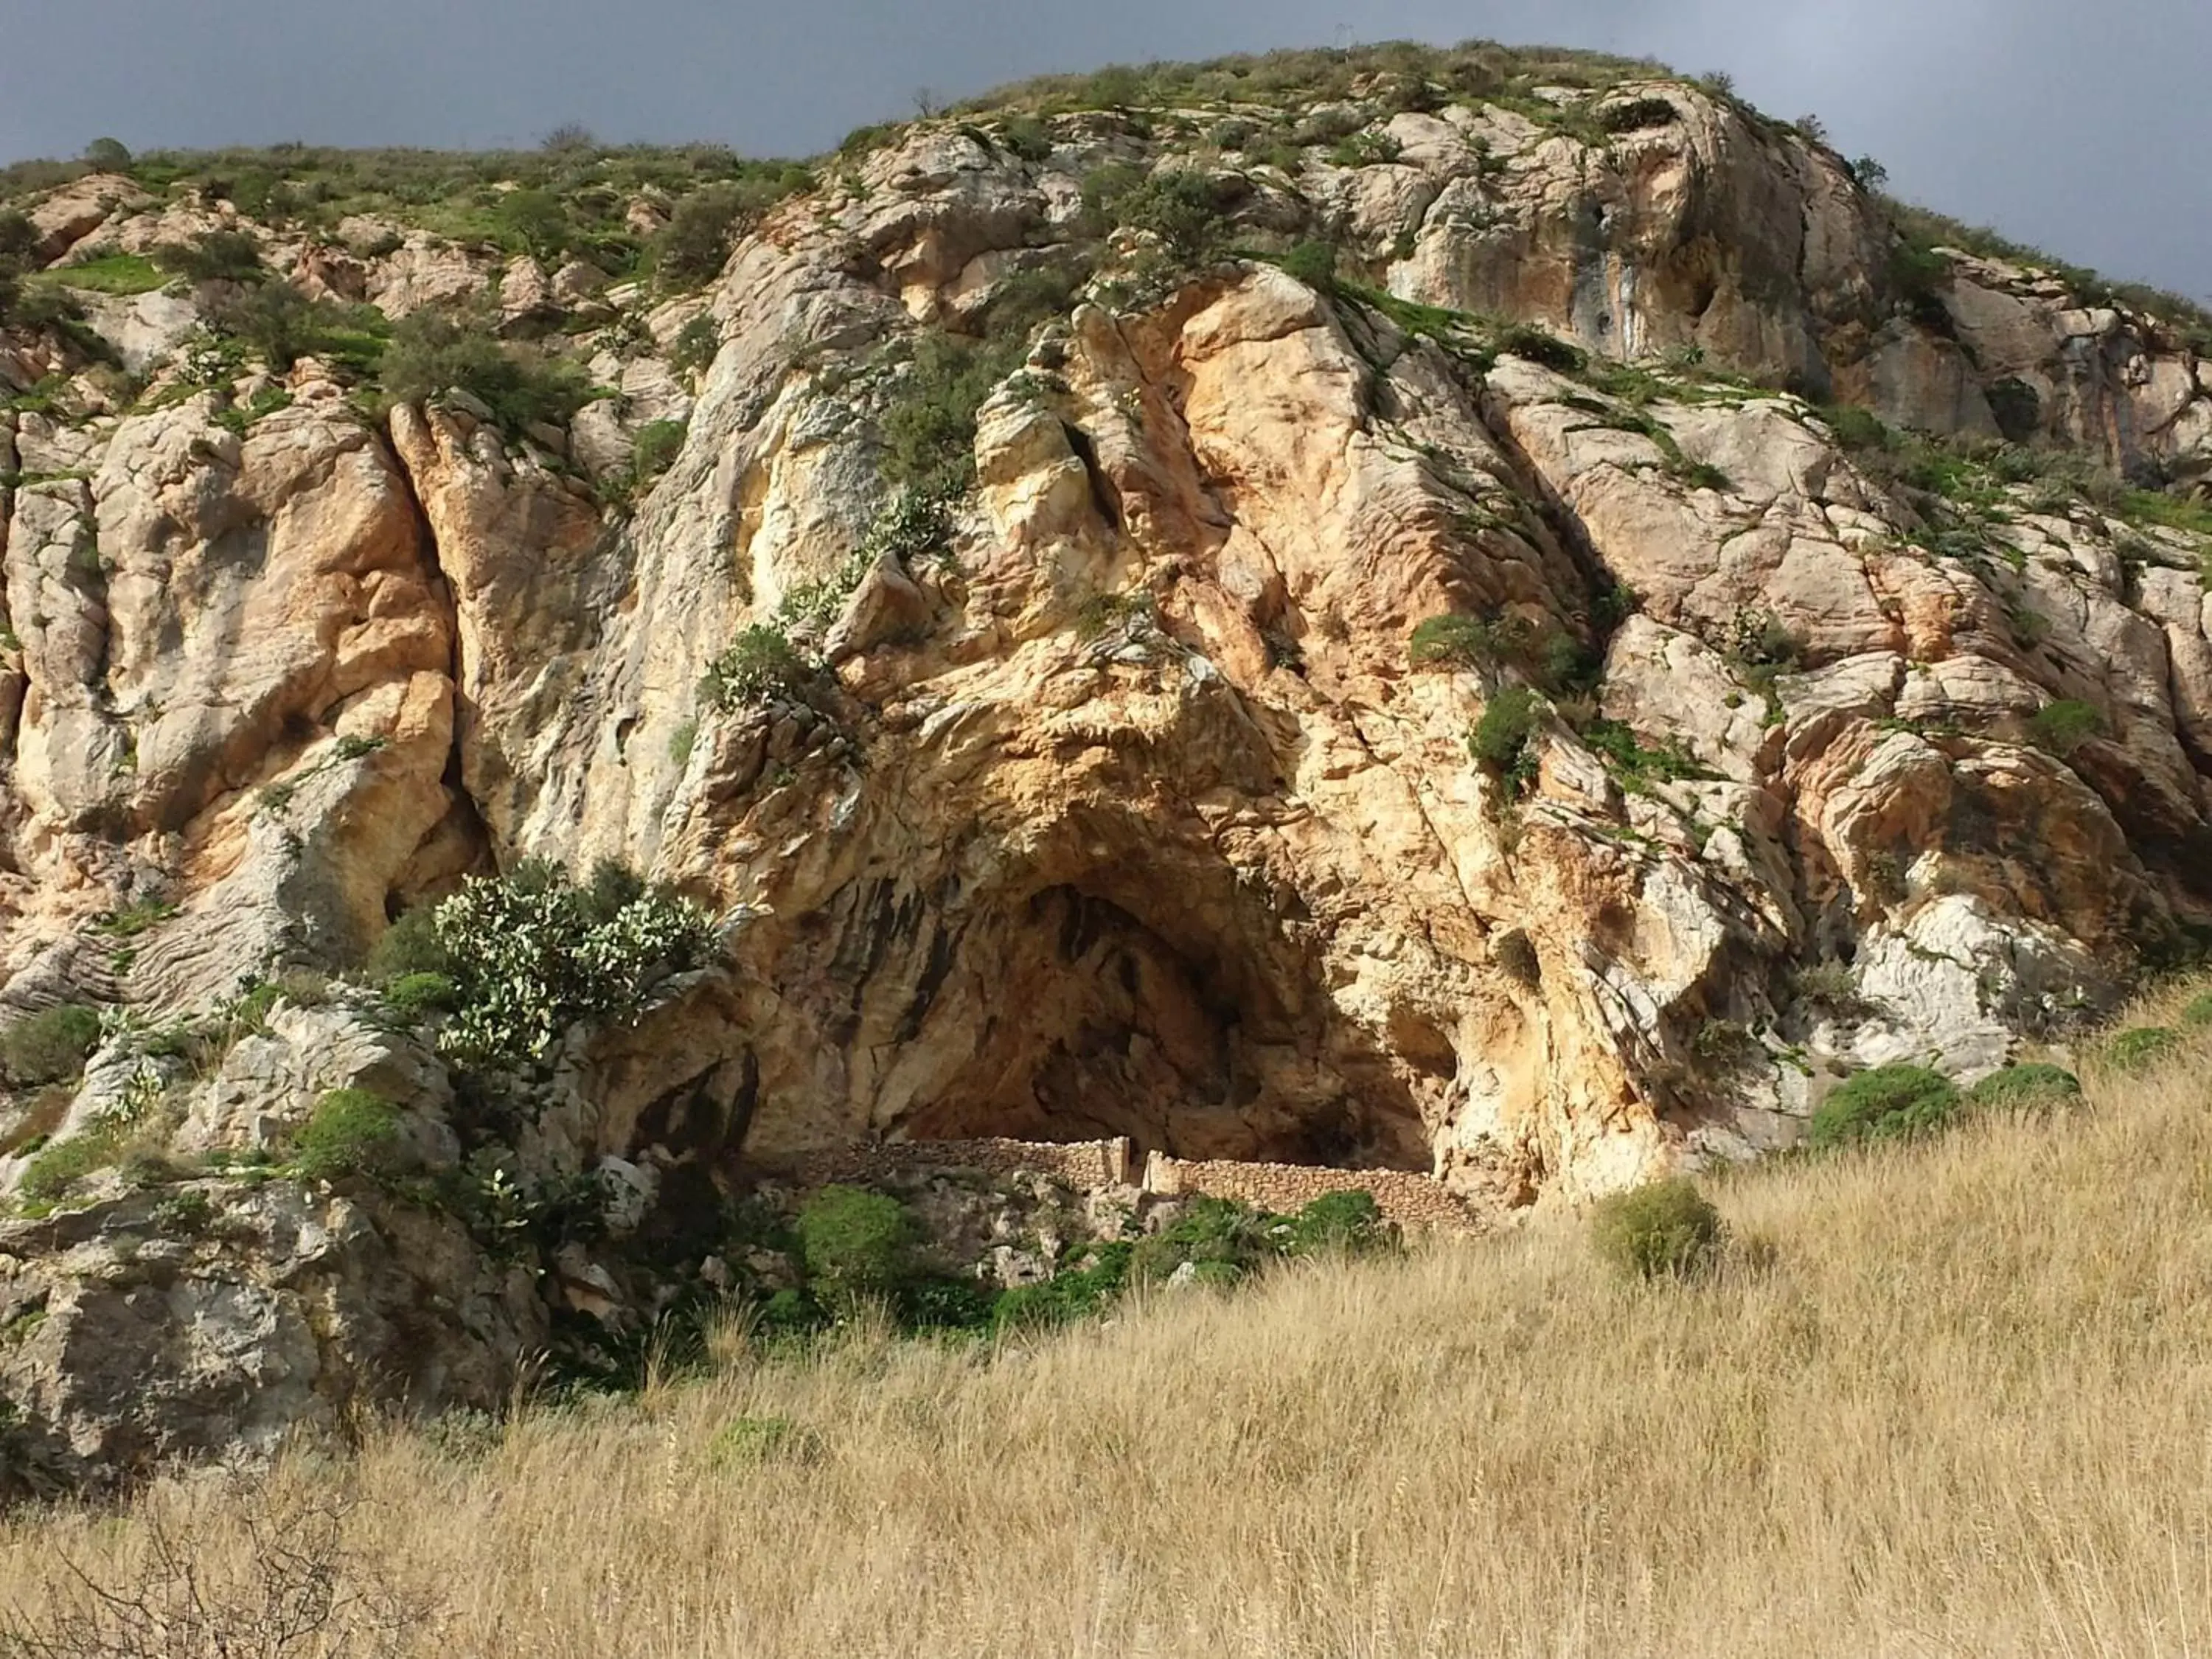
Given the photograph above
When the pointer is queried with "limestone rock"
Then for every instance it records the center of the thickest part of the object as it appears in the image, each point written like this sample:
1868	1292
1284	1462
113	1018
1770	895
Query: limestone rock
72	213
1102	799
154	1328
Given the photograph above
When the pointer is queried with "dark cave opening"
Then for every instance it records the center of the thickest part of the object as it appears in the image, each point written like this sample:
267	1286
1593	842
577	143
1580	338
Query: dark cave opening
1206	1036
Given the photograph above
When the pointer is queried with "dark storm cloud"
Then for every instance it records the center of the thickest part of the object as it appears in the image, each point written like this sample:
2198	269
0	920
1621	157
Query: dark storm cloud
2081	128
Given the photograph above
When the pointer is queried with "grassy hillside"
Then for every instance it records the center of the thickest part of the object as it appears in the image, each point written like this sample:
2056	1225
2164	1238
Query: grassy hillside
1947	1397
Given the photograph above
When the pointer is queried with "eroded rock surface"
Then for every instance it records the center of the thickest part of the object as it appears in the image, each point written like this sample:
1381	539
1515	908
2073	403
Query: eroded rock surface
1112	801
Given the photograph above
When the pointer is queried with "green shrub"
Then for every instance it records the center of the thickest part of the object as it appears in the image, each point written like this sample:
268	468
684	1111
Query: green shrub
1037	294
1026	138
1454	641
216	256
791	1314
1637	115
1339	1224
1218	1237
2059	728
1105	613
654	449
62	1164
760	664
430	354
2199	1013
1759	639
536	222
186	1214
1313	263
2020	1088
856	1243
1663	1230
241	418
1635	766
1184	209
1117	86
350	1131
698	239
1856	429
942	1302
2137	1051
1077	1292
411	996
249	1015
1831	988
280	324
107	155
681	742
410	945
1890	1102
1500	741
134	918
612	889
51	1046
19	237
929	426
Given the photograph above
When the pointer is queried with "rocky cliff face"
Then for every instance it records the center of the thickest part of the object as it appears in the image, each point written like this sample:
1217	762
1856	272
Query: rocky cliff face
1106	779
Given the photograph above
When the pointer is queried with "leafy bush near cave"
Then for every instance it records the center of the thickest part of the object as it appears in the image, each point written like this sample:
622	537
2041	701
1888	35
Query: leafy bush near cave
857	1244
531	954
1185	209
857	1247
1890	1102
1662	1229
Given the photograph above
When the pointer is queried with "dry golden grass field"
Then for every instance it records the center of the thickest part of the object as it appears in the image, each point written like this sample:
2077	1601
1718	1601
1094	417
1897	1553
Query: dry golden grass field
1952	1398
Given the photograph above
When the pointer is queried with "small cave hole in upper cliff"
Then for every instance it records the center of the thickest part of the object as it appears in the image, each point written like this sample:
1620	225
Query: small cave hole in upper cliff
1198	1028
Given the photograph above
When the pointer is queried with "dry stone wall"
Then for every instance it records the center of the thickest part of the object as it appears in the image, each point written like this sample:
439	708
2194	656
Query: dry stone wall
1084	1165
1415	1202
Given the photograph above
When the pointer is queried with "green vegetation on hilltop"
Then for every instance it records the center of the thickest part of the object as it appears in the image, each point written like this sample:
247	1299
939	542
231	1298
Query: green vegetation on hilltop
1412	72
560	201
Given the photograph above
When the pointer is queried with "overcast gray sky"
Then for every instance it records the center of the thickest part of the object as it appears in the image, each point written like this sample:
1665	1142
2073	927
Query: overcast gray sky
2082	126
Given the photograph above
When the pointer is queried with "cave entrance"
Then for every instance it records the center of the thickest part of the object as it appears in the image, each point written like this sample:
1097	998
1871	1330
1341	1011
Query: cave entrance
1182	1015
